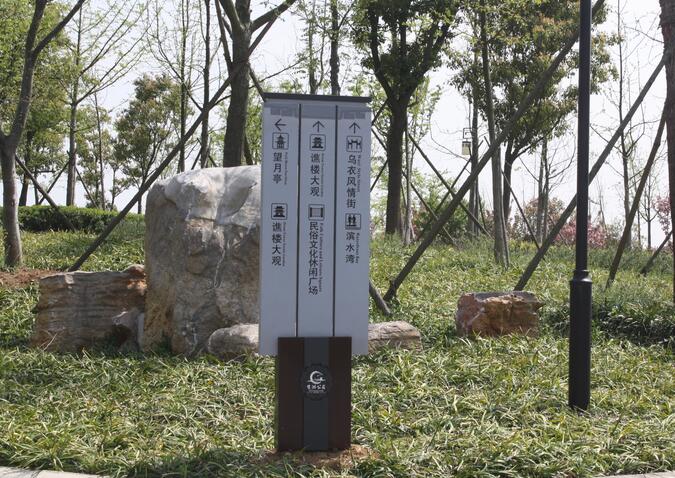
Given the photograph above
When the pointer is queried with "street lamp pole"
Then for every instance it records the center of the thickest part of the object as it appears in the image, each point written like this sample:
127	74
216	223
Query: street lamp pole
581	285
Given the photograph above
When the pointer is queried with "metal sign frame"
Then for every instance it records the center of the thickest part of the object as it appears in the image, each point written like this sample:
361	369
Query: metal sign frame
315	219
314	261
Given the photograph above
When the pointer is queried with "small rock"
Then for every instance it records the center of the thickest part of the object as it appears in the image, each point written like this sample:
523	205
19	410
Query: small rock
492	314
397	334
78	310
242	339
233	342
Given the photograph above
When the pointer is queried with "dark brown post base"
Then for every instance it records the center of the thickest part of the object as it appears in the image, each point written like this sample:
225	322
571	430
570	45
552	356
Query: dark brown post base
313	393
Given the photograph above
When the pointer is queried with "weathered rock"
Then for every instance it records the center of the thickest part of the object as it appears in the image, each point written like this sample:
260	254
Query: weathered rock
242	339
201	256
77	310
492	314
398	334
232	342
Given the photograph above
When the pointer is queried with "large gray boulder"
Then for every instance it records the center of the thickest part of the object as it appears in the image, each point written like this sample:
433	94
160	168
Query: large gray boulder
201	256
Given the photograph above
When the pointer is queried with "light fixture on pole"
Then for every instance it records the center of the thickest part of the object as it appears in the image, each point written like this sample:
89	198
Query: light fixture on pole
467	136
579	394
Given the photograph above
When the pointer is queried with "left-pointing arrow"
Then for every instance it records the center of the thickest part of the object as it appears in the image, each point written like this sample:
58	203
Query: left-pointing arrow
279	124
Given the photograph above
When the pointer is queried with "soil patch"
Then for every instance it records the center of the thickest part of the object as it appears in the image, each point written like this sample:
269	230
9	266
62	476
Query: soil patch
22	277
331	460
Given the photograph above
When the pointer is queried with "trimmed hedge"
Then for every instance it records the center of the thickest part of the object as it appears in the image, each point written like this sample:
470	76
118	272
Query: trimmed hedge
45	218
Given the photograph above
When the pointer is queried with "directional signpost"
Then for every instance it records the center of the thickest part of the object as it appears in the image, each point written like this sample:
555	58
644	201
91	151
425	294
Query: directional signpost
314	252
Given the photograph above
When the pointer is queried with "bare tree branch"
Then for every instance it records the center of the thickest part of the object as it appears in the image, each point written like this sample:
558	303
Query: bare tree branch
57	29
267	17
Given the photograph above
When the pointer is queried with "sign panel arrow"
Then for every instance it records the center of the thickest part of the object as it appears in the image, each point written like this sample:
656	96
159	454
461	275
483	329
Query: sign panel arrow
354	126
279	124
318	125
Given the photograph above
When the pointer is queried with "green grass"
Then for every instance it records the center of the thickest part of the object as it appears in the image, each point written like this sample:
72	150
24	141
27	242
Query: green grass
59	250
467	408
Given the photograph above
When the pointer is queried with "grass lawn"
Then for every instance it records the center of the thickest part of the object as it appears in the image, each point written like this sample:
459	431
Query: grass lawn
468	408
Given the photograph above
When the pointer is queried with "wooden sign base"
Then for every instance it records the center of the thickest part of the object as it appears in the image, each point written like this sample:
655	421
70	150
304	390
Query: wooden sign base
313	393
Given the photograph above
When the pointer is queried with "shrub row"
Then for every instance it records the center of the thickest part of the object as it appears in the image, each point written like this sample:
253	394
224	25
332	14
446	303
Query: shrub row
640	323
656	325
45	218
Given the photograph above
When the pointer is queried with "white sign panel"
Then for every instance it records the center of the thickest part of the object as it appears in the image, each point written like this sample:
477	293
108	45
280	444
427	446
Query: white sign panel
317	210
279	225
352	224
314	244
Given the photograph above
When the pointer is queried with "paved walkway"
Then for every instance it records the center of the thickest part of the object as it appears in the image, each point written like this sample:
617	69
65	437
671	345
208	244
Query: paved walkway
17	473
667	474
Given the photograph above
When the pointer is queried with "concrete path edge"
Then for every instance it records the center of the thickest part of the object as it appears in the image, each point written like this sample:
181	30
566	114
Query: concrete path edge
19	473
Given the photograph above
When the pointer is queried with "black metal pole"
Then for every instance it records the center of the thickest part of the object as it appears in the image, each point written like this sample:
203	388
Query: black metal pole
581	285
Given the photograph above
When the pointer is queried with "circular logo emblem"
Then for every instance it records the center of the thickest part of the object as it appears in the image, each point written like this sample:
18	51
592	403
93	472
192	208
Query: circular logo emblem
315	382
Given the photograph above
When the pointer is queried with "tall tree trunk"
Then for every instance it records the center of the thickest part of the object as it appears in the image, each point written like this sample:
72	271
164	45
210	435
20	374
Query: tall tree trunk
10	212
539	227
237	111
99	145
72	124
185	6
204	150
626	187
474	192
311	57
25	183
638	235
113	190
668	31
509	159
23	196
334	49
397	126
407	226
500	243
547	195
625	155
72	152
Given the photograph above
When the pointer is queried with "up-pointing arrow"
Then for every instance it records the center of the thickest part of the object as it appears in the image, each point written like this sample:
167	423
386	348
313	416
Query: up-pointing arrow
279	124
318	125
354	126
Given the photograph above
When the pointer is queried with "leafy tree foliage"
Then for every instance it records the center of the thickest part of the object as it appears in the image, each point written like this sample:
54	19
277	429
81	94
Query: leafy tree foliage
402	41
146	128
523	39
41	31
95	151
44	122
